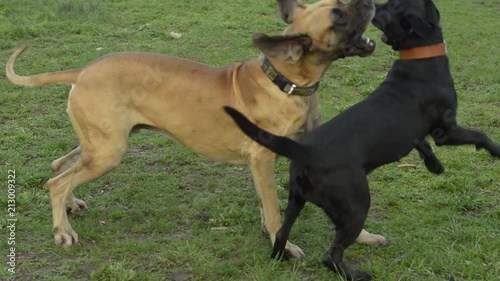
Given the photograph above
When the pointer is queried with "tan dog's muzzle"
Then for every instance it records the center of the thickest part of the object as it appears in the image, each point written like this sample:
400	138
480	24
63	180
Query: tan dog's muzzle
360	14
336	29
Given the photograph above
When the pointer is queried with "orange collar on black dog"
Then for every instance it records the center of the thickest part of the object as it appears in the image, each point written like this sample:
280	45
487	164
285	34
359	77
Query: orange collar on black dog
424	52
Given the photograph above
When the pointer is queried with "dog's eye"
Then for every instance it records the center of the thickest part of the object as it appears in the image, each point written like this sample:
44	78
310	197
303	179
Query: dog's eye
339	17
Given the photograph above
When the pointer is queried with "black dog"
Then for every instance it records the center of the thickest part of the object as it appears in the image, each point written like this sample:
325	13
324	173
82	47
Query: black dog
417	99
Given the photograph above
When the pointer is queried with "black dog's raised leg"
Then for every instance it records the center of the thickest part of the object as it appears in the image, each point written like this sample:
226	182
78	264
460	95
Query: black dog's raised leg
295	205
432	163
459	136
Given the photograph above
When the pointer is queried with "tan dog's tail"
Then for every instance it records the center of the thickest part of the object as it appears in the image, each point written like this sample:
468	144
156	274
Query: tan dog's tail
60	77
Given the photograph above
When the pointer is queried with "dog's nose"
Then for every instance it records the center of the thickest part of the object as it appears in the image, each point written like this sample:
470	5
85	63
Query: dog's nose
384	38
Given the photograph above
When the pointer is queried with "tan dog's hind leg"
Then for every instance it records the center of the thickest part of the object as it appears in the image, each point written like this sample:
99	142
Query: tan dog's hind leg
86	169
370	239
59	166
101	149
262	168
73	204
94	161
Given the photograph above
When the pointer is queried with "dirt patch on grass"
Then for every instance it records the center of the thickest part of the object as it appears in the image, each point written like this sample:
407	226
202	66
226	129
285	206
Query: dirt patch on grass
180	276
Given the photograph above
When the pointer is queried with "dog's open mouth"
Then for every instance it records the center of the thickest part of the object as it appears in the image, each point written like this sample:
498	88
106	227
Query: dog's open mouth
367	46
355	43
361	46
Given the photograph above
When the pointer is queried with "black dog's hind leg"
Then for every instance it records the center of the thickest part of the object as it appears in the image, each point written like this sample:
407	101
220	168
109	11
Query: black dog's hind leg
345	235
333	259
295	205
459	136
432	163
347	204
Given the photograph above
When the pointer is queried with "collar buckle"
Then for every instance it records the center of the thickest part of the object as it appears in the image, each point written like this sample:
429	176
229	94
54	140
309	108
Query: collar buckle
292	87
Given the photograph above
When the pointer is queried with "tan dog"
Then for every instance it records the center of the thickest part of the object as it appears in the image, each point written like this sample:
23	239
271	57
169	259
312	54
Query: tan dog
183	99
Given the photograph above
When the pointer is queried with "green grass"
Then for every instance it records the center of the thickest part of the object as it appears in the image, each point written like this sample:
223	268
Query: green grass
152	218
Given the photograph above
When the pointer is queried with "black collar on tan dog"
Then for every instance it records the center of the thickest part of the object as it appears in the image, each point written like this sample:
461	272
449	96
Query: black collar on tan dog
282	82
424	52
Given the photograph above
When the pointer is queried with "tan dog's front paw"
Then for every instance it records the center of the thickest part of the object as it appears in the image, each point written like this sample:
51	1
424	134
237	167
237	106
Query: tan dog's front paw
74	205
294	251
373	240
66	237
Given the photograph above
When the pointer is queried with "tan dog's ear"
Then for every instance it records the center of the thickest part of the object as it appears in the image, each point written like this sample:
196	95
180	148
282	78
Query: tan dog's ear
287	9
288	48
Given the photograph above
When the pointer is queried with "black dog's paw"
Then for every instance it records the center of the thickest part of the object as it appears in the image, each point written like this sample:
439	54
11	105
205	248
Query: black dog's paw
492	148
433	165
280	255
362	276
496	151
357	275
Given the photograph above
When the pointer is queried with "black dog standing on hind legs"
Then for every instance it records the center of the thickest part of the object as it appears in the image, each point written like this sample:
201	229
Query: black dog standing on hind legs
417	99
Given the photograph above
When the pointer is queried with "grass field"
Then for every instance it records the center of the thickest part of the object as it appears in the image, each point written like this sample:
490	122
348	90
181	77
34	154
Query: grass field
158	216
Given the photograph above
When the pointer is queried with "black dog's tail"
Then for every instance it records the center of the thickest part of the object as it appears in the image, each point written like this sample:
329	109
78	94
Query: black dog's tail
279	145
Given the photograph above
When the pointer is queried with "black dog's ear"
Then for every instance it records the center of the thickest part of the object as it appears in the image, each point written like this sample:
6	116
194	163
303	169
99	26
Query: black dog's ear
288	48
433	15
424	25
419	25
